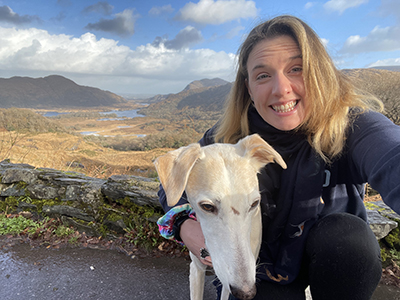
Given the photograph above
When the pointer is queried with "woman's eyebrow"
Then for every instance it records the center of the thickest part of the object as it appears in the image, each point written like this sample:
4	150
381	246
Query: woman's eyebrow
260	66
295	57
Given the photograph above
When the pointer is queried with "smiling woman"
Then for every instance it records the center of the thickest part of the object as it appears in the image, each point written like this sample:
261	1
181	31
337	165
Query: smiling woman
332	139
275	82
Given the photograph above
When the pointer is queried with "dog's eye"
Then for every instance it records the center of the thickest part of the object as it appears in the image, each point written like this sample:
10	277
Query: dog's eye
255	204
207	207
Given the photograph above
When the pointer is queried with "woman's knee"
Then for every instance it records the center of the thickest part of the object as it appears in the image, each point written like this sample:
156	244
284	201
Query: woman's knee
344	258
342	233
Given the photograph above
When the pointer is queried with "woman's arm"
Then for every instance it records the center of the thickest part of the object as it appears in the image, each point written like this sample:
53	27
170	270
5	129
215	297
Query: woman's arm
374	145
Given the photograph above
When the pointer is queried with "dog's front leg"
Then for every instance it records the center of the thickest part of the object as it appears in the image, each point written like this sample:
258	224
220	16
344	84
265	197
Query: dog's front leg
196	278
225	293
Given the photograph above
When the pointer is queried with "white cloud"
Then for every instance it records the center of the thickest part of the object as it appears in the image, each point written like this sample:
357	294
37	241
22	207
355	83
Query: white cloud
158	10
324	42
385	62
379	39
217	12
341	5
234	32
34	50
308	5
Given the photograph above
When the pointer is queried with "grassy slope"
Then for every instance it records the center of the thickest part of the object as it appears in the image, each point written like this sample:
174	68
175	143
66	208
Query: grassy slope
56	150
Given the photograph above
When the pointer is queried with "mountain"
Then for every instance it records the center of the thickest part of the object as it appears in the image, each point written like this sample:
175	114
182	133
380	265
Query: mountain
382	83
210	99
389	68
205	94
205	83
193	87
52	92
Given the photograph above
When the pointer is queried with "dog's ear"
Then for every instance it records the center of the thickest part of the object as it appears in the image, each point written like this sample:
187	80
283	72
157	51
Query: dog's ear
174	168
255	147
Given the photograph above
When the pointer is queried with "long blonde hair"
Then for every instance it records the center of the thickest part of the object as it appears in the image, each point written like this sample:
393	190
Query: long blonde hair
331	94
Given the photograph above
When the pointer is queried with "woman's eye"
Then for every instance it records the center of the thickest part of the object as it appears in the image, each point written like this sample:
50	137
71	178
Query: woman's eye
297	70
262	76
207	207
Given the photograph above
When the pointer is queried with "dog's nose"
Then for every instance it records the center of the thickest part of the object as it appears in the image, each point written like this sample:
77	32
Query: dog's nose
244	294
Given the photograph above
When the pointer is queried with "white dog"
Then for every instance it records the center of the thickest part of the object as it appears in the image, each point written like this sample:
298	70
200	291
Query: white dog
221	185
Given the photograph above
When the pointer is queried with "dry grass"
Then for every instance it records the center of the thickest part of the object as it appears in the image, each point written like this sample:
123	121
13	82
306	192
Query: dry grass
68	152
72	152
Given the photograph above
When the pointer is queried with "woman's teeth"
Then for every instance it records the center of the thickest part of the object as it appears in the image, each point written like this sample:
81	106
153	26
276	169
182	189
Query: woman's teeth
285	108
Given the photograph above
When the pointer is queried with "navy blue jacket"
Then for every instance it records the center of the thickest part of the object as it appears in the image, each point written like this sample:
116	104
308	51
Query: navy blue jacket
295	198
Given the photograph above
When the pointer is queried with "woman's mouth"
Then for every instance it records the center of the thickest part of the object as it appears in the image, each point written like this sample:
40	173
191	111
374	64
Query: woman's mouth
285	108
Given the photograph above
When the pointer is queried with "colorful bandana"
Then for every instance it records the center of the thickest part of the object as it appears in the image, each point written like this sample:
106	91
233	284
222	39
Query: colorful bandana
166	222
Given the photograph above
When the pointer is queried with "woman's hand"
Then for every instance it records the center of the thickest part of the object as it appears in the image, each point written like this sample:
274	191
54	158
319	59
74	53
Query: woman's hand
192	236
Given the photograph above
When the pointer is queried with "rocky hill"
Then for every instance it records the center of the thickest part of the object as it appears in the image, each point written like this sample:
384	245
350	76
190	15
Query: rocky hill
383	84
389	68
196	86
210	100
52	92
205	83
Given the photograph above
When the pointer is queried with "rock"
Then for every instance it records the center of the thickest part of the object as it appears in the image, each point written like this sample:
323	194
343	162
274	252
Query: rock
74	164
6	164
22	205
141	191
72	192
19	175
117	226
383	209
82	197
378	218
89	230
91	193
11	190
41	191
64	210
380	225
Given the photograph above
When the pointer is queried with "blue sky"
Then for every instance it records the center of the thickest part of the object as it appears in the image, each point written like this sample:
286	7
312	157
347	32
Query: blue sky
159	46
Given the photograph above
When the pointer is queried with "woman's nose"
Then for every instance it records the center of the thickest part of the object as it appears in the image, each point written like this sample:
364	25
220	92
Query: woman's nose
281	85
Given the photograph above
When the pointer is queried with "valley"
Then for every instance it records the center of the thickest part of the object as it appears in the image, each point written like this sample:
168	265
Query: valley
81	140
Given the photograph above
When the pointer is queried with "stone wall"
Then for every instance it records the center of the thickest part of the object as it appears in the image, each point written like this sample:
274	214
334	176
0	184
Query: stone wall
81	201
89	203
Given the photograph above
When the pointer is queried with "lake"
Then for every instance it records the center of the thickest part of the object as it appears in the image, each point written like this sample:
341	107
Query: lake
121	114
54	114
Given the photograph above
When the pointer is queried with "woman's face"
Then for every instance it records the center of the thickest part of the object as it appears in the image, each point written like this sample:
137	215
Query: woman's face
275	82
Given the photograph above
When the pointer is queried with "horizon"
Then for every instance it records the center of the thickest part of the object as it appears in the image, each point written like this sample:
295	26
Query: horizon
156	47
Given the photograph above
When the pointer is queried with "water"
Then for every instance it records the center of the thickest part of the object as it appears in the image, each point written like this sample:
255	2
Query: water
94	133
97	133
121	114
54	114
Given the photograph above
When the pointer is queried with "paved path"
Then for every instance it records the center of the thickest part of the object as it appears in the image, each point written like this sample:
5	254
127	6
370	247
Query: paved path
70	274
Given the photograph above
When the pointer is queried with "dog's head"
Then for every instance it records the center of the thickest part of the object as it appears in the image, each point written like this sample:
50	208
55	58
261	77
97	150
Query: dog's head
221	184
